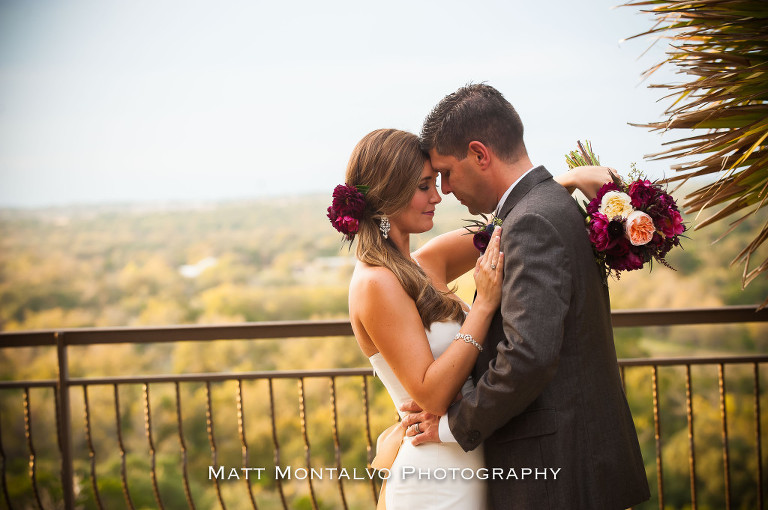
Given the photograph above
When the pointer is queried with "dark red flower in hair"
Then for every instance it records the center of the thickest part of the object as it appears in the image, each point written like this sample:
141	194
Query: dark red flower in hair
347	209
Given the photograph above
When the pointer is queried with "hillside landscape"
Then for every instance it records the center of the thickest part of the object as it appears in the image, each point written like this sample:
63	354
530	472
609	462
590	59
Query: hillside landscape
279	259
273	259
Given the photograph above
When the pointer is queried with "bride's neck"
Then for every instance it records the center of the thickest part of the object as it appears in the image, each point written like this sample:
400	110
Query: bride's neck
402	242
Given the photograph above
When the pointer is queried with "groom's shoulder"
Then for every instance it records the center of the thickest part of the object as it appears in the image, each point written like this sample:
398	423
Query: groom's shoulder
549	198
550	202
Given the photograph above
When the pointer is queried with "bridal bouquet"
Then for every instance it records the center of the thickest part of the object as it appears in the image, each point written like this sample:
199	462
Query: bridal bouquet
629	223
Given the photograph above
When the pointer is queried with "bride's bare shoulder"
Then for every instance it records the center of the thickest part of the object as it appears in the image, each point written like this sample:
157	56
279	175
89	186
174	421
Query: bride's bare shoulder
365	275
371	283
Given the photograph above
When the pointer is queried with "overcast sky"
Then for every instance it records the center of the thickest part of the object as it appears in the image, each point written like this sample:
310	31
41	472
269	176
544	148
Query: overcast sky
124	101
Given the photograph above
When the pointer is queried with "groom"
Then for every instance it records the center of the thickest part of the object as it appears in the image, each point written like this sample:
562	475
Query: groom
548	393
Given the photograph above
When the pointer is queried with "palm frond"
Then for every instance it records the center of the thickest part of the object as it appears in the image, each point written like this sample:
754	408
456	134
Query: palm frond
722	47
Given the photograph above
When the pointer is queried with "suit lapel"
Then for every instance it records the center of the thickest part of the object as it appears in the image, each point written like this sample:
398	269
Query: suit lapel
496	330
526	184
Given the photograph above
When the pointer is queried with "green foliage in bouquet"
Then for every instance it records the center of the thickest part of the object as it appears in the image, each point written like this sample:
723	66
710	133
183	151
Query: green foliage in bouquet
584	156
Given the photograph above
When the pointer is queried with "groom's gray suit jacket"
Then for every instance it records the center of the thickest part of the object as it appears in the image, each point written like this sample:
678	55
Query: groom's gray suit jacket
548	392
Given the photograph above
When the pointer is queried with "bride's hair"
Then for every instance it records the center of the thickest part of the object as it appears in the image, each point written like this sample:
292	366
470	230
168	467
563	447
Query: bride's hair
390	163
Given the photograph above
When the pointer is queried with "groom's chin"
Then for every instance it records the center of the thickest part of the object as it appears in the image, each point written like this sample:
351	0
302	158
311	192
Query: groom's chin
477	210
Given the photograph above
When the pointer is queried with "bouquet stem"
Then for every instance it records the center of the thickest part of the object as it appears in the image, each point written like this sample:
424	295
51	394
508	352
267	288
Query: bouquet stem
582	157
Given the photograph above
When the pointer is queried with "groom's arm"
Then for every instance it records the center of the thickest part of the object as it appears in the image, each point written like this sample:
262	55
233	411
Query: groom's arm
535	302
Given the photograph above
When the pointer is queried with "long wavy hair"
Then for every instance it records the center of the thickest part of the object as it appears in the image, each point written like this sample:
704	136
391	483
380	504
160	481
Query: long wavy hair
390	163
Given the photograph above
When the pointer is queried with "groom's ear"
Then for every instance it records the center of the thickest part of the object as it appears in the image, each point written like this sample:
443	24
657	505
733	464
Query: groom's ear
479	153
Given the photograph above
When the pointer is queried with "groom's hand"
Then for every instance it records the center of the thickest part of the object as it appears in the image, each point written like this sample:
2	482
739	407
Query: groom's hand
428	424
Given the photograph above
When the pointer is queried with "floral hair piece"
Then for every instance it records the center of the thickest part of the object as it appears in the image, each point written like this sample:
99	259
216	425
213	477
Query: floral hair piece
347	209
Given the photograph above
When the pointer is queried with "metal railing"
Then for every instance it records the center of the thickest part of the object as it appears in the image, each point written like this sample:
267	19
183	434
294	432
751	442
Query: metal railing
275	490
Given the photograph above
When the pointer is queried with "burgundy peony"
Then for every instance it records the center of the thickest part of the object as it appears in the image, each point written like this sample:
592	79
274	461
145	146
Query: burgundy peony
667	244
619	248
605	233
347	209
623	257
665	203
657	241
643	193
348	200
347	224
630	262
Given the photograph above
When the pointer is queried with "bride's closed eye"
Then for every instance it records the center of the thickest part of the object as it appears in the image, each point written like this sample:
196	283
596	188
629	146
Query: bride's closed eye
426	184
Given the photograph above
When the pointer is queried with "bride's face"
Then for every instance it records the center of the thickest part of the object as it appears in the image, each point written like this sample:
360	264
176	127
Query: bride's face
418	216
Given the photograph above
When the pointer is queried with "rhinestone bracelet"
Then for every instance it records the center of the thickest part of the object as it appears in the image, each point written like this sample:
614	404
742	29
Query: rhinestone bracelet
468	338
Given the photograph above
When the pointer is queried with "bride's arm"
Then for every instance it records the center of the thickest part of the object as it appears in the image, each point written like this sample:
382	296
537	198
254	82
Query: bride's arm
448	256
587	179
389	316
451	255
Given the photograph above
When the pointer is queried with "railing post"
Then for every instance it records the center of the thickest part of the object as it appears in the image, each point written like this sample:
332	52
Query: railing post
65	424
691	440
657	433
757	438
724	431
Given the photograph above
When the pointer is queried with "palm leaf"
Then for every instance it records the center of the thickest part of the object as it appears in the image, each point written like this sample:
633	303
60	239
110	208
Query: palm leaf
722	47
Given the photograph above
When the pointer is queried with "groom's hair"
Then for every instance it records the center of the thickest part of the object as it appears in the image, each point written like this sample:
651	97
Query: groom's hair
476	112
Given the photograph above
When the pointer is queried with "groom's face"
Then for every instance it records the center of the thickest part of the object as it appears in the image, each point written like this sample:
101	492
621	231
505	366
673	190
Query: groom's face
462	178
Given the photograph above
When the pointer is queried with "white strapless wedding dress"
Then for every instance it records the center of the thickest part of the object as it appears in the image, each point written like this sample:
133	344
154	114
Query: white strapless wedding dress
432	476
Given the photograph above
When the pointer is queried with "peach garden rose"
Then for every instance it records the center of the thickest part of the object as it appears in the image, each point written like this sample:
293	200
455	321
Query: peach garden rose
639	228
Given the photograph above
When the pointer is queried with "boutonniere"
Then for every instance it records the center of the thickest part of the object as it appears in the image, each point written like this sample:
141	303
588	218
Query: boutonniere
482	230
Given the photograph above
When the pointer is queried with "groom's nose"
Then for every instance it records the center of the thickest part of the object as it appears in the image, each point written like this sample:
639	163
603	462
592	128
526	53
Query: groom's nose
445	187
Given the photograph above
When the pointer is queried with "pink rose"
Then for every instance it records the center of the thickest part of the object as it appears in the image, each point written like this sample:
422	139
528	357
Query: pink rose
639	228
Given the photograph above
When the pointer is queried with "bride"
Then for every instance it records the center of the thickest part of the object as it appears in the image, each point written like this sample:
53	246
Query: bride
421	339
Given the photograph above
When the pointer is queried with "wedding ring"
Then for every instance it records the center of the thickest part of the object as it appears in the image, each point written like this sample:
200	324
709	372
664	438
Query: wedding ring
493	266
418	430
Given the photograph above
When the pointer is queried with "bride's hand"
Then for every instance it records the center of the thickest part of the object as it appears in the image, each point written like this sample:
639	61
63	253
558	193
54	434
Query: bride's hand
587	179
489	273
428	428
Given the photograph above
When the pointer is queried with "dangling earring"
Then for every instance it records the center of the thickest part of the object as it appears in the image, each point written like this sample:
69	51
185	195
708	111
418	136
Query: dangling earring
384	226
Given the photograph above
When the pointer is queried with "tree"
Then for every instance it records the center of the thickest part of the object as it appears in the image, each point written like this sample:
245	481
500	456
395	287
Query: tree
722	45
